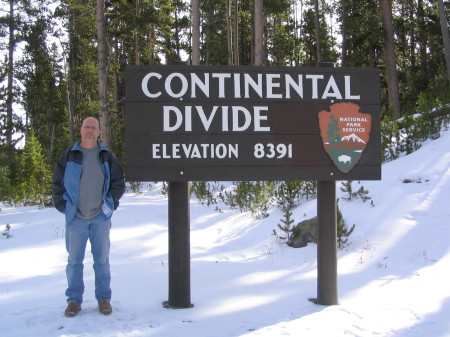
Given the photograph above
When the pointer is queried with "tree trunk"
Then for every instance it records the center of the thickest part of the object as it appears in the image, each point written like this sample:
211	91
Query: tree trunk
229	34
391	71
115	103
344	34
207	35
423	38
318	43
10	92
71	85
445	35
195	4
236	35
136	38
259	32
412	37
103	74
177	35
151	39
52	139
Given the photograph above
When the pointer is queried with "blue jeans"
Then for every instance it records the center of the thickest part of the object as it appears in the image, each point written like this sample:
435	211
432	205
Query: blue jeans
78	231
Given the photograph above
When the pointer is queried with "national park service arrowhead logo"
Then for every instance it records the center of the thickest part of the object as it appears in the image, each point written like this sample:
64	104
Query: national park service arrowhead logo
345	133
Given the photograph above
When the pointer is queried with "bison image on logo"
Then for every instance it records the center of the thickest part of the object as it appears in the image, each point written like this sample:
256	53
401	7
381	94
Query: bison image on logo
345	133
345	159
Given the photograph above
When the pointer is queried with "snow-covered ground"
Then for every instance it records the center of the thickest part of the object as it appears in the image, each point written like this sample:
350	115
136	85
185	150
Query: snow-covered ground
394	276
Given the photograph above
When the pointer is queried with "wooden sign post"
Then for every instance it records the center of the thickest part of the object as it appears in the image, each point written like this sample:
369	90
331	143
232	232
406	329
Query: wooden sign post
179	246
237	123
327	285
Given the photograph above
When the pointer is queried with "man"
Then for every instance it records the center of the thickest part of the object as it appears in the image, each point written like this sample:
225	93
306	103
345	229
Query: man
87	185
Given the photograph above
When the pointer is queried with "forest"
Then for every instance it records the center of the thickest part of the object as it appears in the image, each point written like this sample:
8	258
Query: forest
64	60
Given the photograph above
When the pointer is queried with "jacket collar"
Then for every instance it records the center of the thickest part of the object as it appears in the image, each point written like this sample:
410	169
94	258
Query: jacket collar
76	146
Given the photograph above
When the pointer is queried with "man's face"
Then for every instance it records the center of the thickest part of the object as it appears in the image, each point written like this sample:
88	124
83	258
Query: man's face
90	131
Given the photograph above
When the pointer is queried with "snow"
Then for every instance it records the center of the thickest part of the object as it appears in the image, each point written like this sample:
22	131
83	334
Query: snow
353	138
393	275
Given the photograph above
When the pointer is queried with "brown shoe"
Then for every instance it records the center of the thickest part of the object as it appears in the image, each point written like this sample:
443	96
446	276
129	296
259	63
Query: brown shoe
104	307
72	309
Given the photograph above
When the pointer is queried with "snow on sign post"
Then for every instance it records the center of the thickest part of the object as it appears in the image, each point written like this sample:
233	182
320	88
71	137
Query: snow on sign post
186	123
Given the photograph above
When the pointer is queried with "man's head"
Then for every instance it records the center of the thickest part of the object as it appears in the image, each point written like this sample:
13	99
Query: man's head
90	131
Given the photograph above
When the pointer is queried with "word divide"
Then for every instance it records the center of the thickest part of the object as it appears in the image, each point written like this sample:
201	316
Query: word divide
192	85
232	118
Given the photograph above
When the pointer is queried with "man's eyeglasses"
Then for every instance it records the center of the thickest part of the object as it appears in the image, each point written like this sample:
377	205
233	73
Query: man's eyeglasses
92	128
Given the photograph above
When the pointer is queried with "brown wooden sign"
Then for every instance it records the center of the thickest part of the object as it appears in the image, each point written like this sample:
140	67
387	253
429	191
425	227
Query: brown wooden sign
187	123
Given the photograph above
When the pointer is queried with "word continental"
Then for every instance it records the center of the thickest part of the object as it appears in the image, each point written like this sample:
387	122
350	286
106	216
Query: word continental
245	85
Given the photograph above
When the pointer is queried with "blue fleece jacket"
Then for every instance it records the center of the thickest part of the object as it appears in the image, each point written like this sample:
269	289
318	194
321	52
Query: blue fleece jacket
66	181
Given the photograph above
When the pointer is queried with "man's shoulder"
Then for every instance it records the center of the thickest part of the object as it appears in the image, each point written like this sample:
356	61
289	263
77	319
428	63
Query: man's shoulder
73	153
74	147
103	147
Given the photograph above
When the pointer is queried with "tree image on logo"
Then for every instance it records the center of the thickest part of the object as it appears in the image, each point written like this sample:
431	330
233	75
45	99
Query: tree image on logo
333	131
345	132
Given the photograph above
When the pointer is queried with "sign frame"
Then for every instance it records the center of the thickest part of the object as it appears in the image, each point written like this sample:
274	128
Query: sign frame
274	124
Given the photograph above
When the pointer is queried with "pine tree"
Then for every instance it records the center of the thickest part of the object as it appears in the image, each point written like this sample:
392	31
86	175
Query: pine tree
34	181
342	231
5	180
44	90
261	198
288	194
